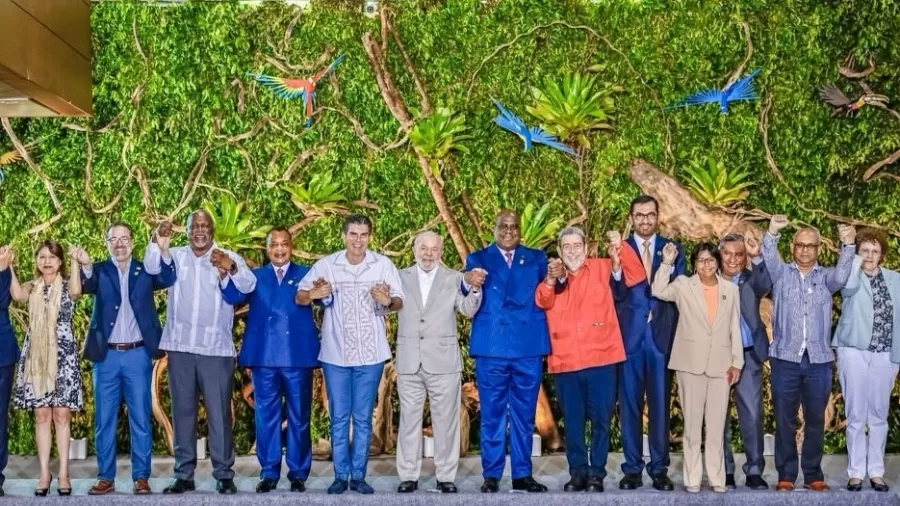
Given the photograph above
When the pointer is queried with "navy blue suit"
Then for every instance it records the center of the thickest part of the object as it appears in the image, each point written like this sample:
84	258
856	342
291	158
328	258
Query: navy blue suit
281	348
9	354
509	340
126	372
647	347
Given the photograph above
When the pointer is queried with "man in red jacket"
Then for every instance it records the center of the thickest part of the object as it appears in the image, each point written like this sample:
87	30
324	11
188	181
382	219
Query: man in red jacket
585	346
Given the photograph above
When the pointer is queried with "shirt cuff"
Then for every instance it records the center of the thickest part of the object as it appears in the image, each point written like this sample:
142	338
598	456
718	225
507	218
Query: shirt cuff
756	260
617	275
87	270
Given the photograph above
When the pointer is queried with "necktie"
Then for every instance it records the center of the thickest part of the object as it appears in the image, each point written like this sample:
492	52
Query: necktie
509	256
645	258
280	273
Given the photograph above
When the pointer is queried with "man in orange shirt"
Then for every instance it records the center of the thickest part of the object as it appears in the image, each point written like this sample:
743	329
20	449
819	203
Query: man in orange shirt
586	346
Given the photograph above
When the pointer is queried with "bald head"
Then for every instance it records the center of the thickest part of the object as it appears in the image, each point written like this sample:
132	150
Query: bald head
805	247
428	247
506	230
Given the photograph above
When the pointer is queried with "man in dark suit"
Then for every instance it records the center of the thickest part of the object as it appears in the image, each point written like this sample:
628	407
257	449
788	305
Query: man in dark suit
648	327
9	355
122	341
509	340
281	348
753	285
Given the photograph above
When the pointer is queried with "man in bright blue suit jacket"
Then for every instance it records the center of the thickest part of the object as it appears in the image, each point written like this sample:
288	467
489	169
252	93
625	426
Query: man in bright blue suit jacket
281	348
122	341
9	355
648	327
509	340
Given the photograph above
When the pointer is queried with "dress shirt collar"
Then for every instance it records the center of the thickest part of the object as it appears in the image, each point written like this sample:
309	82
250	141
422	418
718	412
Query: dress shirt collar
284	268
341	259
640	243
503	252
428	274
116	264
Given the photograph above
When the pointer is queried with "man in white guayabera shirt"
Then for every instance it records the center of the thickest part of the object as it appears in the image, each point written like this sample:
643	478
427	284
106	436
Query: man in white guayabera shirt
358	287
198	342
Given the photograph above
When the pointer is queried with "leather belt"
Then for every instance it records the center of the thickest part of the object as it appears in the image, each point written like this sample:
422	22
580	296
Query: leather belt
125	346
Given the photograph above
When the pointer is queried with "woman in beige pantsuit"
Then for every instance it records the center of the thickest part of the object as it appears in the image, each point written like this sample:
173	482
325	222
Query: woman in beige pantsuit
707	355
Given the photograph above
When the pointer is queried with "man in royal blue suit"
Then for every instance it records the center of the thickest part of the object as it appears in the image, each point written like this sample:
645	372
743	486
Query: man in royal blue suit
648	327
122	341
281	348
9	354
509	340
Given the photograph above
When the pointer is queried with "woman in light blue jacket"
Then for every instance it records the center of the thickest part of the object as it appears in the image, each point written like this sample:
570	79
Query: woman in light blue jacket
868	353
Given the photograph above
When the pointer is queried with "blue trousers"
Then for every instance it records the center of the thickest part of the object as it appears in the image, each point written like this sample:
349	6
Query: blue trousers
352	392
123	374
508	389
794	385
273	389
7	374
588	394
644	371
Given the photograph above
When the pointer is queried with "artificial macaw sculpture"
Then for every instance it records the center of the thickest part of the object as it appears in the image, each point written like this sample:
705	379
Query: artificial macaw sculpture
304	88
534	135
833	95
742	89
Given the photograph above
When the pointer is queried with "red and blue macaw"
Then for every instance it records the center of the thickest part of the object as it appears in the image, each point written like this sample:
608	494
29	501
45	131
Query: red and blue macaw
304	89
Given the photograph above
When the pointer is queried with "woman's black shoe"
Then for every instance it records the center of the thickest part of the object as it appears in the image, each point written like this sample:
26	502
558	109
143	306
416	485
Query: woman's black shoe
42	492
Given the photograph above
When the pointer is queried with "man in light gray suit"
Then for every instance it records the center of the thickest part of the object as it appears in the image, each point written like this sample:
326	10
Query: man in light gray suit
428	361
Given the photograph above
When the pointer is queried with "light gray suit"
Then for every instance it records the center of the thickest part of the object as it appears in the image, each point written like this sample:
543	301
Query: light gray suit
428	362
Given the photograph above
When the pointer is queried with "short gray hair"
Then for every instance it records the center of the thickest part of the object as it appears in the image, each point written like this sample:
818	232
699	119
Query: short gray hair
732	237
428	233
571	231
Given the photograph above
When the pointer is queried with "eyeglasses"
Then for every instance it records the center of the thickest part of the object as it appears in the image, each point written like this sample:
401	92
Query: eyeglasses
120	240
706	261
508	227
644	217
806	246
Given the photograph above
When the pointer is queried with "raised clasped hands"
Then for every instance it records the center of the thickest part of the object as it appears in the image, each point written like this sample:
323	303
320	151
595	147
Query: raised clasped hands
321	289
778	222
381	292
222	261
79	255
163	235
475	278
6	257
847	234
670	253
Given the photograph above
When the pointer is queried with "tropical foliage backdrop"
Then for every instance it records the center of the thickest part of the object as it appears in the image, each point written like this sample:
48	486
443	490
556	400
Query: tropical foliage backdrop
403	131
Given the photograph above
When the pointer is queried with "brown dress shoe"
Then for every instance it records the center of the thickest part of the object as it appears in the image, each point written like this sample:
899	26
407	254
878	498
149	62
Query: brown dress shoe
784	486
102	487
817	486
141	487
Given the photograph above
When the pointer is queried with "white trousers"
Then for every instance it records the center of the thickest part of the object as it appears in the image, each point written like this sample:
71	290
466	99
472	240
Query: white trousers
867	379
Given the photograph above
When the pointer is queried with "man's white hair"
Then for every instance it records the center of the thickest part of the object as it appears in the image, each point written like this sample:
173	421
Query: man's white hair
421	236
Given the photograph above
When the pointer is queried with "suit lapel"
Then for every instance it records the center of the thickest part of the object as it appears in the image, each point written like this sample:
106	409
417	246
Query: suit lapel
498	265
720	303
412	281
439	277
112	268
698	289
134	270
656	254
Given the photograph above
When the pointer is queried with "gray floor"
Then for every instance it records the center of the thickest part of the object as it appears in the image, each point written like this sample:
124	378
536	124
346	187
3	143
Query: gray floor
550	470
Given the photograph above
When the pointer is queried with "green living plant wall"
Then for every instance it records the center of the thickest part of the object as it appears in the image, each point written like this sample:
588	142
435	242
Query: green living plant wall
179	125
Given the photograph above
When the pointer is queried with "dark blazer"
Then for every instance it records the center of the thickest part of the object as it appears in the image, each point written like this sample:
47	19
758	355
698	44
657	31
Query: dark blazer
509	324
9	347
104	285
279	332
635	303
754	285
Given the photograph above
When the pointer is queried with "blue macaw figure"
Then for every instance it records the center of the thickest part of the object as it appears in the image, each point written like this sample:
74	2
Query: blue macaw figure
742	89
511	122
303	88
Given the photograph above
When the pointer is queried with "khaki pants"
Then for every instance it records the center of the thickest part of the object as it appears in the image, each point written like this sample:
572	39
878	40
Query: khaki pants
703	397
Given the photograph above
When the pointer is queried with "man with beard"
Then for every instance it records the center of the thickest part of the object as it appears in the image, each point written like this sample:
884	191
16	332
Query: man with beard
198	341
281	348
753	285
122	342
9	356
648	328
509	340
800	354
358	288
428	361
586	346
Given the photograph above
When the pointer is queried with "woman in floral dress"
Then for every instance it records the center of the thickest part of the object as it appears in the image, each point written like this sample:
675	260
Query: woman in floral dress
49	376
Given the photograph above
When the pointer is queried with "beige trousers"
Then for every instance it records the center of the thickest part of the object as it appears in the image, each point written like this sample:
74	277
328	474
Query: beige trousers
443	392
703	397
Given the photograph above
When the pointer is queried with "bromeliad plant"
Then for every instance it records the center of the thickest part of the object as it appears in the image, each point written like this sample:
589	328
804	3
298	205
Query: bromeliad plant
320	195
714	185
538	230
232	231
435	136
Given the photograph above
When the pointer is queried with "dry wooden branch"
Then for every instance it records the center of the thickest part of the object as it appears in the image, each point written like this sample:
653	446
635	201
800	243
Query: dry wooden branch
299	160
48	184
847	70
358	129
738	72
423	96
870	172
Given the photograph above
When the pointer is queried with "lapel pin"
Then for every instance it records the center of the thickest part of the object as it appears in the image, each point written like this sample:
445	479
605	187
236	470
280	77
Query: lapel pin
724	298
521	261
290	281
658	253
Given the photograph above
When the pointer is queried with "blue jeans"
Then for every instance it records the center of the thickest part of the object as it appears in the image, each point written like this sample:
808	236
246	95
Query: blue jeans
588	394
795	384
123	373
352	392
294	386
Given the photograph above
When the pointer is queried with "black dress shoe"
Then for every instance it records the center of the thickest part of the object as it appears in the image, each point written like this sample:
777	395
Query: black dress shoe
662	483
528	484
490	486
854	485
266	485
879	486
729	482
226	486
576	484
756	482
595	484
631	482
179	487
298	486
407	487
447	487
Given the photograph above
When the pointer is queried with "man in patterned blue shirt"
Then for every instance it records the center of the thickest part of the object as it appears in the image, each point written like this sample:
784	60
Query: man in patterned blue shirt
800	354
